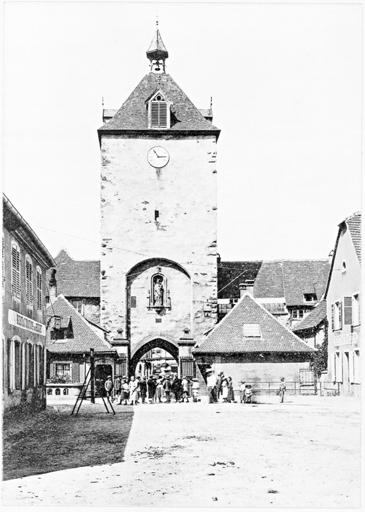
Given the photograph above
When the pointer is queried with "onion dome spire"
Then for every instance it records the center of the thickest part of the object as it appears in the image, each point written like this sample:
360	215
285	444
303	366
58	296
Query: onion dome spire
157	53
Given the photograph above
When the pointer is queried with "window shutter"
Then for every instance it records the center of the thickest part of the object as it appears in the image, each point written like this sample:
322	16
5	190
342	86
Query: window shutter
52	369
163	115
340	315
333	316
154	114
75	372
348	310
15	271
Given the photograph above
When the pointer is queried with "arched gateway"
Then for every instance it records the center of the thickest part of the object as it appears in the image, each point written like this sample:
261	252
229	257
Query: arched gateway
147	346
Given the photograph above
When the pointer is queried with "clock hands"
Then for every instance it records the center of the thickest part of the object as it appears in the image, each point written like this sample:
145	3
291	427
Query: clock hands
159	156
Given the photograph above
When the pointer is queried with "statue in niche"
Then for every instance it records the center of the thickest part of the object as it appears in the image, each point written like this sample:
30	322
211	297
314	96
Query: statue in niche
158	292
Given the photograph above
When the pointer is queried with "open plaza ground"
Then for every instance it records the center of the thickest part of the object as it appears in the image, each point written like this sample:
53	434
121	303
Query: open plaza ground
305	452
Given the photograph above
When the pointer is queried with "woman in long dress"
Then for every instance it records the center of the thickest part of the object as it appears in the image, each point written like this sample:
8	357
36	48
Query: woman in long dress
133	391
224	385
230	397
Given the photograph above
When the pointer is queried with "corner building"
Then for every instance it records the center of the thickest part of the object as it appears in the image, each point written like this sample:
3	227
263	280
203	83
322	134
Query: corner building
158	219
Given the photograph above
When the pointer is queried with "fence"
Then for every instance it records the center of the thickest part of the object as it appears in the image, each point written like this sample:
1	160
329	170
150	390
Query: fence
292	388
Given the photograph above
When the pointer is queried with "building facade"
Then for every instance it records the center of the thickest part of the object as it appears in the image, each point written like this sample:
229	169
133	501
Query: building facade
158	219
25	261
250	344
70	337
343	308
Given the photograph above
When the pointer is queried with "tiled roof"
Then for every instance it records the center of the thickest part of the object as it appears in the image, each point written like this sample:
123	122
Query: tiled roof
354	225
232	273
291	279
314	318
133	113
85	336
77	278
227	336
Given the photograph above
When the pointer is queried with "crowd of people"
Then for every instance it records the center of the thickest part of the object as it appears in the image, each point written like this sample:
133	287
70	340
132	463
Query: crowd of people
154	389
171	388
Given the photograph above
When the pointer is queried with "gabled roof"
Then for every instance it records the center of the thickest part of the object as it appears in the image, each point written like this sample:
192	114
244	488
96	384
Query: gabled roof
227	336
77	278
314	318
84	336
232	273
353	224
133	114
291	279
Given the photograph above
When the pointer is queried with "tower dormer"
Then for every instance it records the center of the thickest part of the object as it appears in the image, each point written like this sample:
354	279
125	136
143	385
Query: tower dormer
157	53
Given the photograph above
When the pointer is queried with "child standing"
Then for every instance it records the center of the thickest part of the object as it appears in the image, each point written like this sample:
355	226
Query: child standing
282	389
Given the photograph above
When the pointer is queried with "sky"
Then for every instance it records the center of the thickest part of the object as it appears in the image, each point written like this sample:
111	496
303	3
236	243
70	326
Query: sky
286	83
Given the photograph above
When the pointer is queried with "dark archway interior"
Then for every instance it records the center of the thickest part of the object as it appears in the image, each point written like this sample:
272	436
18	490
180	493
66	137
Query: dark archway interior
155	343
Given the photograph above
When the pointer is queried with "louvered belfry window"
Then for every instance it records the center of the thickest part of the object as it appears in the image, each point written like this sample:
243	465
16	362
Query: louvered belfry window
159	114
15	271
28	281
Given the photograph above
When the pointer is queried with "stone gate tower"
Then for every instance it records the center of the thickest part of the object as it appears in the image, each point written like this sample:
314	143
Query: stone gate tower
158	219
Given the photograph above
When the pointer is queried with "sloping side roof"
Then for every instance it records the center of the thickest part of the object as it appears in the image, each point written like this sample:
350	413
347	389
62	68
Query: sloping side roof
315	317
77	278
291	279
354	225
133	113
85	336
232	273
13	220
227	336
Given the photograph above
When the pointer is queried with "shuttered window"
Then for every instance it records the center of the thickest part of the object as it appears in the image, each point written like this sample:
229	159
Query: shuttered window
158	114
15	270
75	372
347	302
18	365
28	281
333	316
39	289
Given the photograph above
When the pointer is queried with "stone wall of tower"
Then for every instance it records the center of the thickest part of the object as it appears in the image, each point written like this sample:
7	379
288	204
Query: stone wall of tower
184	194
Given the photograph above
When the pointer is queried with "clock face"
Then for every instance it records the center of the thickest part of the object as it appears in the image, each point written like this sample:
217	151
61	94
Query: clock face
158	157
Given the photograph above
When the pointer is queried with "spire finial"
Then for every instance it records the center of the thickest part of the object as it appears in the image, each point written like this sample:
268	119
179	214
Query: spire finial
157	53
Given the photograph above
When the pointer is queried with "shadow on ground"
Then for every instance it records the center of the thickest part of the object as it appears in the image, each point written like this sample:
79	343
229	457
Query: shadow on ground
52	440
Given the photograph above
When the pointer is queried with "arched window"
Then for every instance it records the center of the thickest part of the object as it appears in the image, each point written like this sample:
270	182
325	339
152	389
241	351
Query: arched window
28	281
15	270
159	111
65	391
11	365
39	288
57	391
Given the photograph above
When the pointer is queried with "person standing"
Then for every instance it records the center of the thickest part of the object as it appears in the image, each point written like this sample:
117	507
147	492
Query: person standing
242	391
117	388
185	389
211	385
108	386
124	396
143	389
159	391
167	389
282	389
230	397
133	391
225	389
151	389
218	386
195	389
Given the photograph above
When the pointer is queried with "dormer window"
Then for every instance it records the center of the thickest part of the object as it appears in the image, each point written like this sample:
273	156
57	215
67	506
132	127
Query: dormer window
251	331
158	112
310	297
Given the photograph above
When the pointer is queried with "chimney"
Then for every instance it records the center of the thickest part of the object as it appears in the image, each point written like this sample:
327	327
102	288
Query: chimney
52	286
246	287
